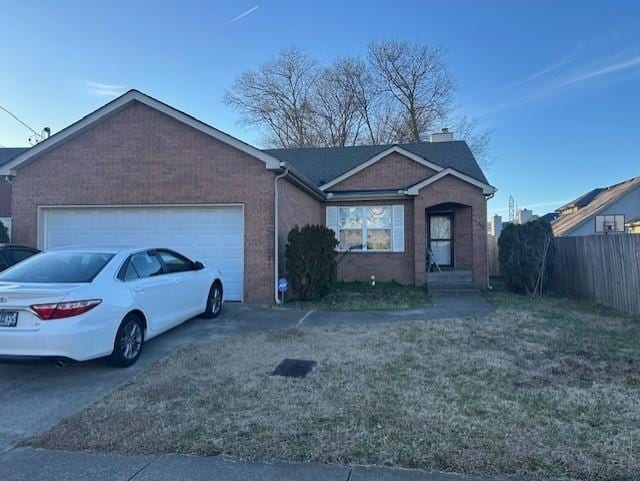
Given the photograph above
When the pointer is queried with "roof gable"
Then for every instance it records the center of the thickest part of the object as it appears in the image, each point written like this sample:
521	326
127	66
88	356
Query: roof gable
376	158
486	188
117	105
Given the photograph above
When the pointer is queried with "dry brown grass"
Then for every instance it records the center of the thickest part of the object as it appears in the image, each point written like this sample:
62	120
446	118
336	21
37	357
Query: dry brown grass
538	390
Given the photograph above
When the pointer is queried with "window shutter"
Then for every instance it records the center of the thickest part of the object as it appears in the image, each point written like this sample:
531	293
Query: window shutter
332	219
398	228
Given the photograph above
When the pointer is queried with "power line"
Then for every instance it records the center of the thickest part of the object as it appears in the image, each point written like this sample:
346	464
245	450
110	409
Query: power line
16	117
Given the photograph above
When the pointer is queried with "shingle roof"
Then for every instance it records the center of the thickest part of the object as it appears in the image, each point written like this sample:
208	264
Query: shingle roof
323	164
601	199
8	153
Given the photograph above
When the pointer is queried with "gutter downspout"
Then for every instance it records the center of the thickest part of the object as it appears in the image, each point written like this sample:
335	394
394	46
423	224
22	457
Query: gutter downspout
486	234
275	235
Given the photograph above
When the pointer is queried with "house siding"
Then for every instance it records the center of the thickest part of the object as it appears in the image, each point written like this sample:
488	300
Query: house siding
142	156
395	171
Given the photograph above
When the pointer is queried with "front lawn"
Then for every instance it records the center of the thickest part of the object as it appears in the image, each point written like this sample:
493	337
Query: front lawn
540	389
359	296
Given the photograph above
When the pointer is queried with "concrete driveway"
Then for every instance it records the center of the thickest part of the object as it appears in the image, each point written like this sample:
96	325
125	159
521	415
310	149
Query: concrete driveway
35	397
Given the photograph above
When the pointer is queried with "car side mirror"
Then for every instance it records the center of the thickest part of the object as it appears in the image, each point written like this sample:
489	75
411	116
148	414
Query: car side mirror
198	266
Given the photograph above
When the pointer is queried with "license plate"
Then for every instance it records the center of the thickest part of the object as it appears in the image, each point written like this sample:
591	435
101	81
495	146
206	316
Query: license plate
8	318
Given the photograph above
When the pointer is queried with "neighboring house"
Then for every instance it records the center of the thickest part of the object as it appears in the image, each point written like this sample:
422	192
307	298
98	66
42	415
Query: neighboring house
604	210
550	216
633	226
6	154
139	171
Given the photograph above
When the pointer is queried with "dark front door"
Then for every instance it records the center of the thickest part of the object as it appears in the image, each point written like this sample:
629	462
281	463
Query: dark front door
440	238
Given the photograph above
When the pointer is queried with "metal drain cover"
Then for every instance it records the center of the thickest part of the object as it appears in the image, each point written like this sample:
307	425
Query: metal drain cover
294	368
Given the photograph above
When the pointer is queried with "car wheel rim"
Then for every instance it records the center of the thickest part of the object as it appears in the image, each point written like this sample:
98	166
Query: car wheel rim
217	300
131	340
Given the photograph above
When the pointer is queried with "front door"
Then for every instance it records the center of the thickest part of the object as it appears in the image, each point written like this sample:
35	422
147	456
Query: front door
440	239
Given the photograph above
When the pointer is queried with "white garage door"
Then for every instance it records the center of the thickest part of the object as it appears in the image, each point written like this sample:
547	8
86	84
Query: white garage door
211	234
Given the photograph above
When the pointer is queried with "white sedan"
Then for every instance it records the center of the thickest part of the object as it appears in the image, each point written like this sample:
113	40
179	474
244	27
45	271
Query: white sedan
79	304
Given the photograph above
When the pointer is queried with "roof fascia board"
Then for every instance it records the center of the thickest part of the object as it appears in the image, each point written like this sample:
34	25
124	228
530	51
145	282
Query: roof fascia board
120	103
376	158
486	188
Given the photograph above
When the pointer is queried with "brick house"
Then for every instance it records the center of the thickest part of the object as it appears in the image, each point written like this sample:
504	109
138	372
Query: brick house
139	171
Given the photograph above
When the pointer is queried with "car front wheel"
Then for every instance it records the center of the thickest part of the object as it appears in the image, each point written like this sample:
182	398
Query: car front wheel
214	301
128	343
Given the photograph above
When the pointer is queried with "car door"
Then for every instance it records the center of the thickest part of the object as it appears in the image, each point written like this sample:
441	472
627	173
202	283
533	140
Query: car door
189	282
153	290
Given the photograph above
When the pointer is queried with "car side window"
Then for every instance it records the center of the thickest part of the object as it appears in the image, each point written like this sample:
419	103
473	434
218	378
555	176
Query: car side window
174	262
130	272
146	265
17	255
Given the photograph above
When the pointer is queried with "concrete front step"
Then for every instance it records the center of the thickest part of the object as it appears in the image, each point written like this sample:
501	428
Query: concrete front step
451	281
466	289
445	277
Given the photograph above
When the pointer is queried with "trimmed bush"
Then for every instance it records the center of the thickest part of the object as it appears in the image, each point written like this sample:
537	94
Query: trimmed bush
521	255
311	261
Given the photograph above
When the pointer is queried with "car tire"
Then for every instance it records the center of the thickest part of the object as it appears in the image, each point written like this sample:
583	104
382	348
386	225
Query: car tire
128	342
214	301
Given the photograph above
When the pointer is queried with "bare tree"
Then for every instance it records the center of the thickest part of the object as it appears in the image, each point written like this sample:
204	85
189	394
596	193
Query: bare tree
479	141
336	106
417	78
279	95
402	93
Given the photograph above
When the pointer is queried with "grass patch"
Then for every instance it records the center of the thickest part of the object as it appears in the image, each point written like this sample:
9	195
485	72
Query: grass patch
540	389
362	296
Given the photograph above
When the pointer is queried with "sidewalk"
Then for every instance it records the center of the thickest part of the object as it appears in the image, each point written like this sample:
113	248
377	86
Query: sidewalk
27	464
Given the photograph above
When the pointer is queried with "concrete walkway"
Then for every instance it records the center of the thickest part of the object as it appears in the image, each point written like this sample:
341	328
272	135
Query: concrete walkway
26	464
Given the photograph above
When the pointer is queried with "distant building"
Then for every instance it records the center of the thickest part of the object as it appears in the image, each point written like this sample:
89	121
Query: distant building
523	216
495	226
605	210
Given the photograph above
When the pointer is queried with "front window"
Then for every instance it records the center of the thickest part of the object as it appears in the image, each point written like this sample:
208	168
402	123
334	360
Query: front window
365	228
58	267
610	223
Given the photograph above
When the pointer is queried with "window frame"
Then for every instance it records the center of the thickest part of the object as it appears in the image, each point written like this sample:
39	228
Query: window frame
365	229
604	220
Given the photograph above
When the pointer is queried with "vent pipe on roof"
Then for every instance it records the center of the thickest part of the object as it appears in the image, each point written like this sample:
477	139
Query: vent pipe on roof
443	136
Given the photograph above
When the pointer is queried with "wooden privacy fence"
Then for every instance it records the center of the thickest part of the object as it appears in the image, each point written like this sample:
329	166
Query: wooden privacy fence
492	252
603	268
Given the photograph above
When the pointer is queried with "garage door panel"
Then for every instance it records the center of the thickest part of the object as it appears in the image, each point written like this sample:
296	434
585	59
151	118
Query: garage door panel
212	235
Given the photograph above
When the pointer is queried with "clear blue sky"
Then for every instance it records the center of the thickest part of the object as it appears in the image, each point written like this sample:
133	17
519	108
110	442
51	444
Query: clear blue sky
558	82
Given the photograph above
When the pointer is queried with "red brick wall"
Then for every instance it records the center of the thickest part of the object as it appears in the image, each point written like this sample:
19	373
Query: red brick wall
452	189
386	266
141	156
296	208
395	171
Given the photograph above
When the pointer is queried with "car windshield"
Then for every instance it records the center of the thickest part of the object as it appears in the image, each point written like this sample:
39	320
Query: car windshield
58	267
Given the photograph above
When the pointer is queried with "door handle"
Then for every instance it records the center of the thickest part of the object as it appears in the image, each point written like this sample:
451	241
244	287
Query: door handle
138	289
